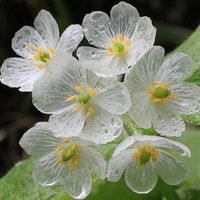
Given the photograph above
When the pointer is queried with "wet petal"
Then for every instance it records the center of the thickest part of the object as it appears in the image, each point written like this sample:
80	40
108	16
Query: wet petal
114	98
175	67
18	72
94	160
137	81
118	164
51	92
25	41
77	183
67	123
96	27
70	38
39	140
99	61
124	18
169	169
102	127
186	102
173	126
47	170
141	179
47	27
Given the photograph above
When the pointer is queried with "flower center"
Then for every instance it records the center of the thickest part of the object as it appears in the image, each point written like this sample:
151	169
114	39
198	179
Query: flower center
67	152
41	57
119	46
83	98
159	93
143	154
44	56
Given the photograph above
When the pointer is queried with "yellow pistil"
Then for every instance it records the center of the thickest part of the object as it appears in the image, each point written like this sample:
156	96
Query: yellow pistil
83	98
41	56
119	46
143	154
159	92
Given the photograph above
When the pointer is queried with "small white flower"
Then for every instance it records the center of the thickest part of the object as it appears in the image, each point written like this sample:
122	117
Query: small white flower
120	40
159	95
144	158
36	48
79	98
68	161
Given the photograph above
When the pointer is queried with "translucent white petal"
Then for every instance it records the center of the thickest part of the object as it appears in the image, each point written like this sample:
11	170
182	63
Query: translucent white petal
67	123
114	98
169	169
78	182
138	80
94	160
39	140
47	27
144	72
124	18
118	164
142	42
70	38
51	92
99	61
102	127
18	72
169	127
145	31
174	68
157	142
188	98
141	179
25	40
47	170
129	141
97	29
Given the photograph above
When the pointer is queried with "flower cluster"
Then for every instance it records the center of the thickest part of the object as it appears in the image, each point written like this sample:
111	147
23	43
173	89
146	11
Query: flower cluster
87	94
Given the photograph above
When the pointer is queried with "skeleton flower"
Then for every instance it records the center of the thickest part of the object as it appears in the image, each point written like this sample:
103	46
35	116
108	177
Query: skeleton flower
120	40
67	161
79	98
36	48
159	94
144	158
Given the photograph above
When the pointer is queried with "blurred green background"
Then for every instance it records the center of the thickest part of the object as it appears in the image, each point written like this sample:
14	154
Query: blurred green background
175	20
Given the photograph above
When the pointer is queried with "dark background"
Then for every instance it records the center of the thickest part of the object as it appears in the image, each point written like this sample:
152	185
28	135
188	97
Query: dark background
174	20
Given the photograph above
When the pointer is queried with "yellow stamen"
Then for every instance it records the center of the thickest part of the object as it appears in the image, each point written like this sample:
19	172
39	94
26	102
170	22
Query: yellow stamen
143	154
128	42
72	98
89	112
80	88
121	37
91	91
119	46
159	93
74	162
78	107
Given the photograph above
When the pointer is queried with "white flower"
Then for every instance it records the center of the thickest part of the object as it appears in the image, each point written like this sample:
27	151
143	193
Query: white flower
159	95
144	158
68	161
120	40
36	48
79	98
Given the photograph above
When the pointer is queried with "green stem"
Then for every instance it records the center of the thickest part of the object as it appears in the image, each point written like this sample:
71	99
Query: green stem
129	126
